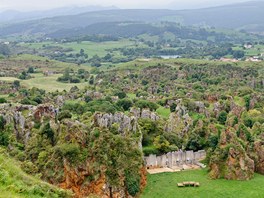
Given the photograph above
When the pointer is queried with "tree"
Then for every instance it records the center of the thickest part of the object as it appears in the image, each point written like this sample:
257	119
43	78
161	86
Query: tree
16	84
161	143
3	100
64	114
91	81
125	104
30	70
238	54
222	117
48	132
4	50
120	94
2	123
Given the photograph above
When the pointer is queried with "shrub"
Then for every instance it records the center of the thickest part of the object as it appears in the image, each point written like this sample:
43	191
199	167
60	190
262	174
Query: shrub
150	150
161	144
222	117
64	114
48	132
125	104
27	101
120	94
75	80
132	182
3	100
146	104
70	151
29	167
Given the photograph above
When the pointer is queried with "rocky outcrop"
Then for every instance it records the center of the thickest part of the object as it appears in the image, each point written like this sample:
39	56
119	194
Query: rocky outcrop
179	121
217	108
75	179
144	113
236	109
230	160
45	110
94	94
125	123
200	107
259	152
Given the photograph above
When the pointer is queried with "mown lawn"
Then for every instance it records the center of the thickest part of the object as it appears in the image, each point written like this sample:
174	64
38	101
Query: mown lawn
165	186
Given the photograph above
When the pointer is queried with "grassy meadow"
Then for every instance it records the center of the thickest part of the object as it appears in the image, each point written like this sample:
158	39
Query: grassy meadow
91	48
48	83
164	185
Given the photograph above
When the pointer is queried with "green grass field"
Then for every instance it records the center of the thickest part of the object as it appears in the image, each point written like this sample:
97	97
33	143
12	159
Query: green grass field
163	112
164	185
91	48
48	83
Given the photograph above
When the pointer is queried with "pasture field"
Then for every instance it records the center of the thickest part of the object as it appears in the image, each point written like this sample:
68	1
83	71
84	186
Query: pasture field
91	48
48	83
164	185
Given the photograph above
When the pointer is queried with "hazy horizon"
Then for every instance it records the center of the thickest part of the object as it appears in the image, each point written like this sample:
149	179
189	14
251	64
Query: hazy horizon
30	5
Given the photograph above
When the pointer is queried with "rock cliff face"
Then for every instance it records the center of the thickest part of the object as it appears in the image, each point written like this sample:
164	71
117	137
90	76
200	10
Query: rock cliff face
179	121
124	122
230	160
82	177
259	152
144	113
75	179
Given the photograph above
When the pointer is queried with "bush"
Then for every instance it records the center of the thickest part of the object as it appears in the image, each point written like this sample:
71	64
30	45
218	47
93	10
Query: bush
146	104
38	99
120	94
64	114
48	132
125	104
30	70
3	100
70	151
222	117
101	106
132	182
150	150
29	167
161	144
27	101
2	123
75	80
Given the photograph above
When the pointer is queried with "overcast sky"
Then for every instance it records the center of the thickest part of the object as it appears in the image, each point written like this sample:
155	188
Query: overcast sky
47	4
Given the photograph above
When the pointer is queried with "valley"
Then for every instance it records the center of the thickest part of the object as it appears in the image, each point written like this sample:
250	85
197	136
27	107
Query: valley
93	102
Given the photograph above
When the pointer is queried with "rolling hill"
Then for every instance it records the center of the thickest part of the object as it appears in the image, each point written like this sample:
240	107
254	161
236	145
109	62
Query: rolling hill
244	16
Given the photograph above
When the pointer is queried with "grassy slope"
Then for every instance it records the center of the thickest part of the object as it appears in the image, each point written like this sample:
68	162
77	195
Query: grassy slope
165	185
48	83
15	183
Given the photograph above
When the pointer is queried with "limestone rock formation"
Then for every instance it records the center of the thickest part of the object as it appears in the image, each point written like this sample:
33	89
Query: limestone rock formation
259	152
144	113
230	160
179	121
125	123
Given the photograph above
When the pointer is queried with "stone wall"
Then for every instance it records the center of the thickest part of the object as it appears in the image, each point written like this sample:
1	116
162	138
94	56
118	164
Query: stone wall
172	159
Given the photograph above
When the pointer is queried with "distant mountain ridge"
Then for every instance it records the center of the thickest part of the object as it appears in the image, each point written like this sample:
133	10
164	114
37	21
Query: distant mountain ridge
243	16
14	15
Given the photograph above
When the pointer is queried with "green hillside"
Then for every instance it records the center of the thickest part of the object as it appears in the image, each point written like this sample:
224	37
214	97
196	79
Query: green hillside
247	16
14	183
